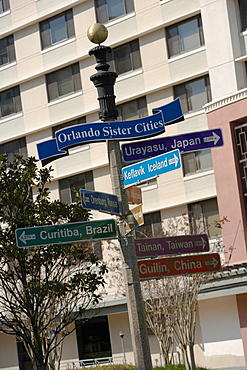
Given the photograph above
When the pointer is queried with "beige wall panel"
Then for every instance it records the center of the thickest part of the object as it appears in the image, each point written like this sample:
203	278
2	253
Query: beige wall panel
67	109
191	64
178	9
8	352
56	57
200	186
193	122
12	127
130	87
35	138
121	29
102	180
70	350
34	104
6	24
84	17
148	14
154	59
27	48
8	76
22	12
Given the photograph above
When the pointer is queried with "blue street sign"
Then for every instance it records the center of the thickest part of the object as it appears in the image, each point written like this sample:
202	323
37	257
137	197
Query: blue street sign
102	131
152	167
185	143
102	202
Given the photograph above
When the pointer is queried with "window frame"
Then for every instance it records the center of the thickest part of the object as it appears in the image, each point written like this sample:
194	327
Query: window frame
200	225
178	39
133	57
18	146
54	82
152	226
243	15
46	29
195	156
102	10
9	50
15	104
66	185
4	6
141	109
185	100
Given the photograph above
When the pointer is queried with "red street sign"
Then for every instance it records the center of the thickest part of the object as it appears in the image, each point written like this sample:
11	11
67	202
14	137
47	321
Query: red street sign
179	265
134	195
171	245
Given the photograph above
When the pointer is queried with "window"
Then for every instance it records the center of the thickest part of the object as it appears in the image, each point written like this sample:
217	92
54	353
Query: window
184	36
203	217
243	14
4	6
125	58
63	82
69	187
24	360
7	50
10	102
133	109
193	94
152	226
68	124
14	147
93	338
57	29
198	161
106	10
241	146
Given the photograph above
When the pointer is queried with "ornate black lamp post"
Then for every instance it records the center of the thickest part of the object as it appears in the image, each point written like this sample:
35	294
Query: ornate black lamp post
104	81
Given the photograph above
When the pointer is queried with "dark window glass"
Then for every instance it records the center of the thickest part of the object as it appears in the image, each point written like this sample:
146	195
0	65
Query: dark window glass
69	187
75	122
152	226
198	161
63	82
107	10
204	217
185	36
133	109
125	58
193	94
14	147
7	50
4	6
57	29
24	360
243	14
93	339
10	102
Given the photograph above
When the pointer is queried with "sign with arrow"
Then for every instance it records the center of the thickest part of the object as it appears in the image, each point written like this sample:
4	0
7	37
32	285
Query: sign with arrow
94	132
184	143
102	202
65	233
152	167
153	247
155	268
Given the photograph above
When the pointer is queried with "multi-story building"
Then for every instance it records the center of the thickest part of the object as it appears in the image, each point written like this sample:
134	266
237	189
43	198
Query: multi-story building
191	49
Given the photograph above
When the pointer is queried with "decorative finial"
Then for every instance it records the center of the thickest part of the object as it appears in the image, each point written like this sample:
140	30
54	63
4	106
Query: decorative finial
97	33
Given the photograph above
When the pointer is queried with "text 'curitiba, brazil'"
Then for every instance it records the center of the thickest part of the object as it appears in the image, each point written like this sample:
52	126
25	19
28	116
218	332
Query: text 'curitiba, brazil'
118	130
65	233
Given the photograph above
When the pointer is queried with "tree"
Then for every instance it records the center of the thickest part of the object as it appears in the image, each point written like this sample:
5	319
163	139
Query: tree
42	289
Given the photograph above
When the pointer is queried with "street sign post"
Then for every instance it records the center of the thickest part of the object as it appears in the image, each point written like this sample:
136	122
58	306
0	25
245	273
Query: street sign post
134	195
140	150
170	266
152	167
65	233
153	247
102	202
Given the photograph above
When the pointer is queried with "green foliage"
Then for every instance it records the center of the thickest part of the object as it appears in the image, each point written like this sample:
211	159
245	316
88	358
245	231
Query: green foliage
43	289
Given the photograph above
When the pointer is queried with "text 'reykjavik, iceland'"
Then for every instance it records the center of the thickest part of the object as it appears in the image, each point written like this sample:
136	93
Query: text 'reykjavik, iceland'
152	167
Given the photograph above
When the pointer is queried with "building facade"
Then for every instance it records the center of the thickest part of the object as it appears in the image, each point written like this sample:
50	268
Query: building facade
194	50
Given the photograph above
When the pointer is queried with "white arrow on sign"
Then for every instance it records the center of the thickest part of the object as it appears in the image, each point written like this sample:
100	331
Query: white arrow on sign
173	160
214	263
215	138
23	237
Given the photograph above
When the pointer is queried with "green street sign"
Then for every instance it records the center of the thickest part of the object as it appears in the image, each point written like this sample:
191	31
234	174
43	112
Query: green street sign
65	233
